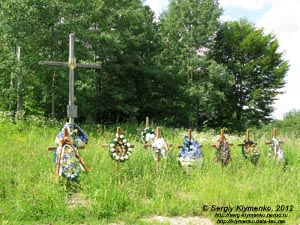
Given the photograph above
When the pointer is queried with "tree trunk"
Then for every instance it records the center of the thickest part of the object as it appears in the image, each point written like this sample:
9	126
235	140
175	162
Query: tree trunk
53	97
19	82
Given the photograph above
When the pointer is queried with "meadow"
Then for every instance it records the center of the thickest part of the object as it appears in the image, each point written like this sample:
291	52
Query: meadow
30	193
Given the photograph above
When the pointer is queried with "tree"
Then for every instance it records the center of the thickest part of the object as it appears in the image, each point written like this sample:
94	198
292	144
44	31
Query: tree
118	34
187	31
253	58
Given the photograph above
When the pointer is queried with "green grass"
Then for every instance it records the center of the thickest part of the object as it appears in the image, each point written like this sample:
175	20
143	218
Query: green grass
30	193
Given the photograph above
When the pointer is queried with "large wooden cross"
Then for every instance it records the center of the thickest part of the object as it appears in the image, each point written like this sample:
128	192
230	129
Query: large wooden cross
71	108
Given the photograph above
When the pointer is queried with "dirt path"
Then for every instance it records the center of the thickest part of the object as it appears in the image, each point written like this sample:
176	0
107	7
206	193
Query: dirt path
78	199
180	220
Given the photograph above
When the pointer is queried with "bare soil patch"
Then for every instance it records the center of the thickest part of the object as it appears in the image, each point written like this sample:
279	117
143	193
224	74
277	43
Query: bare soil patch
180	220
75	200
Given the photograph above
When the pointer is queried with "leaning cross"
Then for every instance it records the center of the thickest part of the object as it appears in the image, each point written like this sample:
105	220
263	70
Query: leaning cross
71	108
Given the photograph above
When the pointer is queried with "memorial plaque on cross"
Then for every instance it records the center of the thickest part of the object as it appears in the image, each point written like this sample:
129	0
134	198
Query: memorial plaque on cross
71	108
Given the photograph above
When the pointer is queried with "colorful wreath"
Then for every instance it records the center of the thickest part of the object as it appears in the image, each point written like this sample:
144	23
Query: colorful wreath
67	156
69	164
190	153
147	135
222	152
190	149
160	147
250	151
120	148
275	149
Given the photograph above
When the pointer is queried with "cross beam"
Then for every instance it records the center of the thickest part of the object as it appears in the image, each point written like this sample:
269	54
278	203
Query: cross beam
71	108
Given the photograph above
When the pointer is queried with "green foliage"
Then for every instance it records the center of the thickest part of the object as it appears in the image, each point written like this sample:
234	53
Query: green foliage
288	126
186	30
184	69
253	58
31	194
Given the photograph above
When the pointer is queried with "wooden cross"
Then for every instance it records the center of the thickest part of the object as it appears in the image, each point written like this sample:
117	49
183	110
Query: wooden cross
157	137
119	134
247	137
189	137
71	108
274	133
117	163
222	138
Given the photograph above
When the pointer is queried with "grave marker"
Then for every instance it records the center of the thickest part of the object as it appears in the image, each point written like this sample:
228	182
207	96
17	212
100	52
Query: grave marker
222	138
66	141
189	137
275	148
274	134
147	134
120	149
249	149
222	150
190	153
247	137
71	107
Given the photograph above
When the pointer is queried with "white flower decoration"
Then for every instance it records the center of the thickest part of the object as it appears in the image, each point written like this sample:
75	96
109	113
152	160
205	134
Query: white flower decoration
120	148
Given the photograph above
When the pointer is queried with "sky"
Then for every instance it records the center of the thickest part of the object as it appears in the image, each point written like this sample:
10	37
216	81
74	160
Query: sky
279	17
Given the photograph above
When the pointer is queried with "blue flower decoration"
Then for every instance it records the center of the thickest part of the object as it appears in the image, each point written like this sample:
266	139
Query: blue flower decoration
190	149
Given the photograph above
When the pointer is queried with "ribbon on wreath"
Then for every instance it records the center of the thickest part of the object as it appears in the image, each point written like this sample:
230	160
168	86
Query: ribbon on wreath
275	149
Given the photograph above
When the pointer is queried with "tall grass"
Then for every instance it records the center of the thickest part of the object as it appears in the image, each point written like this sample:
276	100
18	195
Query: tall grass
31	194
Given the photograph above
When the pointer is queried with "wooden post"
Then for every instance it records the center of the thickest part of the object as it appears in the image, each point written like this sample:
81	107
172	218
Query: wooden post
222	135
118	131
274	132
66	133
147	122
190	134
248	135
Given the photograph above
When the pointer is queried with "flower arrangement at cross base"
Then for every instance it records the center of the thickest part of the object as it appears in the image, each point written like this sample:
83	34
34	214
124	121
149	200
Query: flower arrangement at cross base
66	155
120	150
160	147
148	135
69	164
250	151
275	150
78	136
222	152
190	153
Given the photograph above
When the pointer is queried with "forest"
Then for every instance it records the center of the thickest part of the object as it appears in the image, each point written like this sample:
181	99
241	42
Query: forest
184	68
